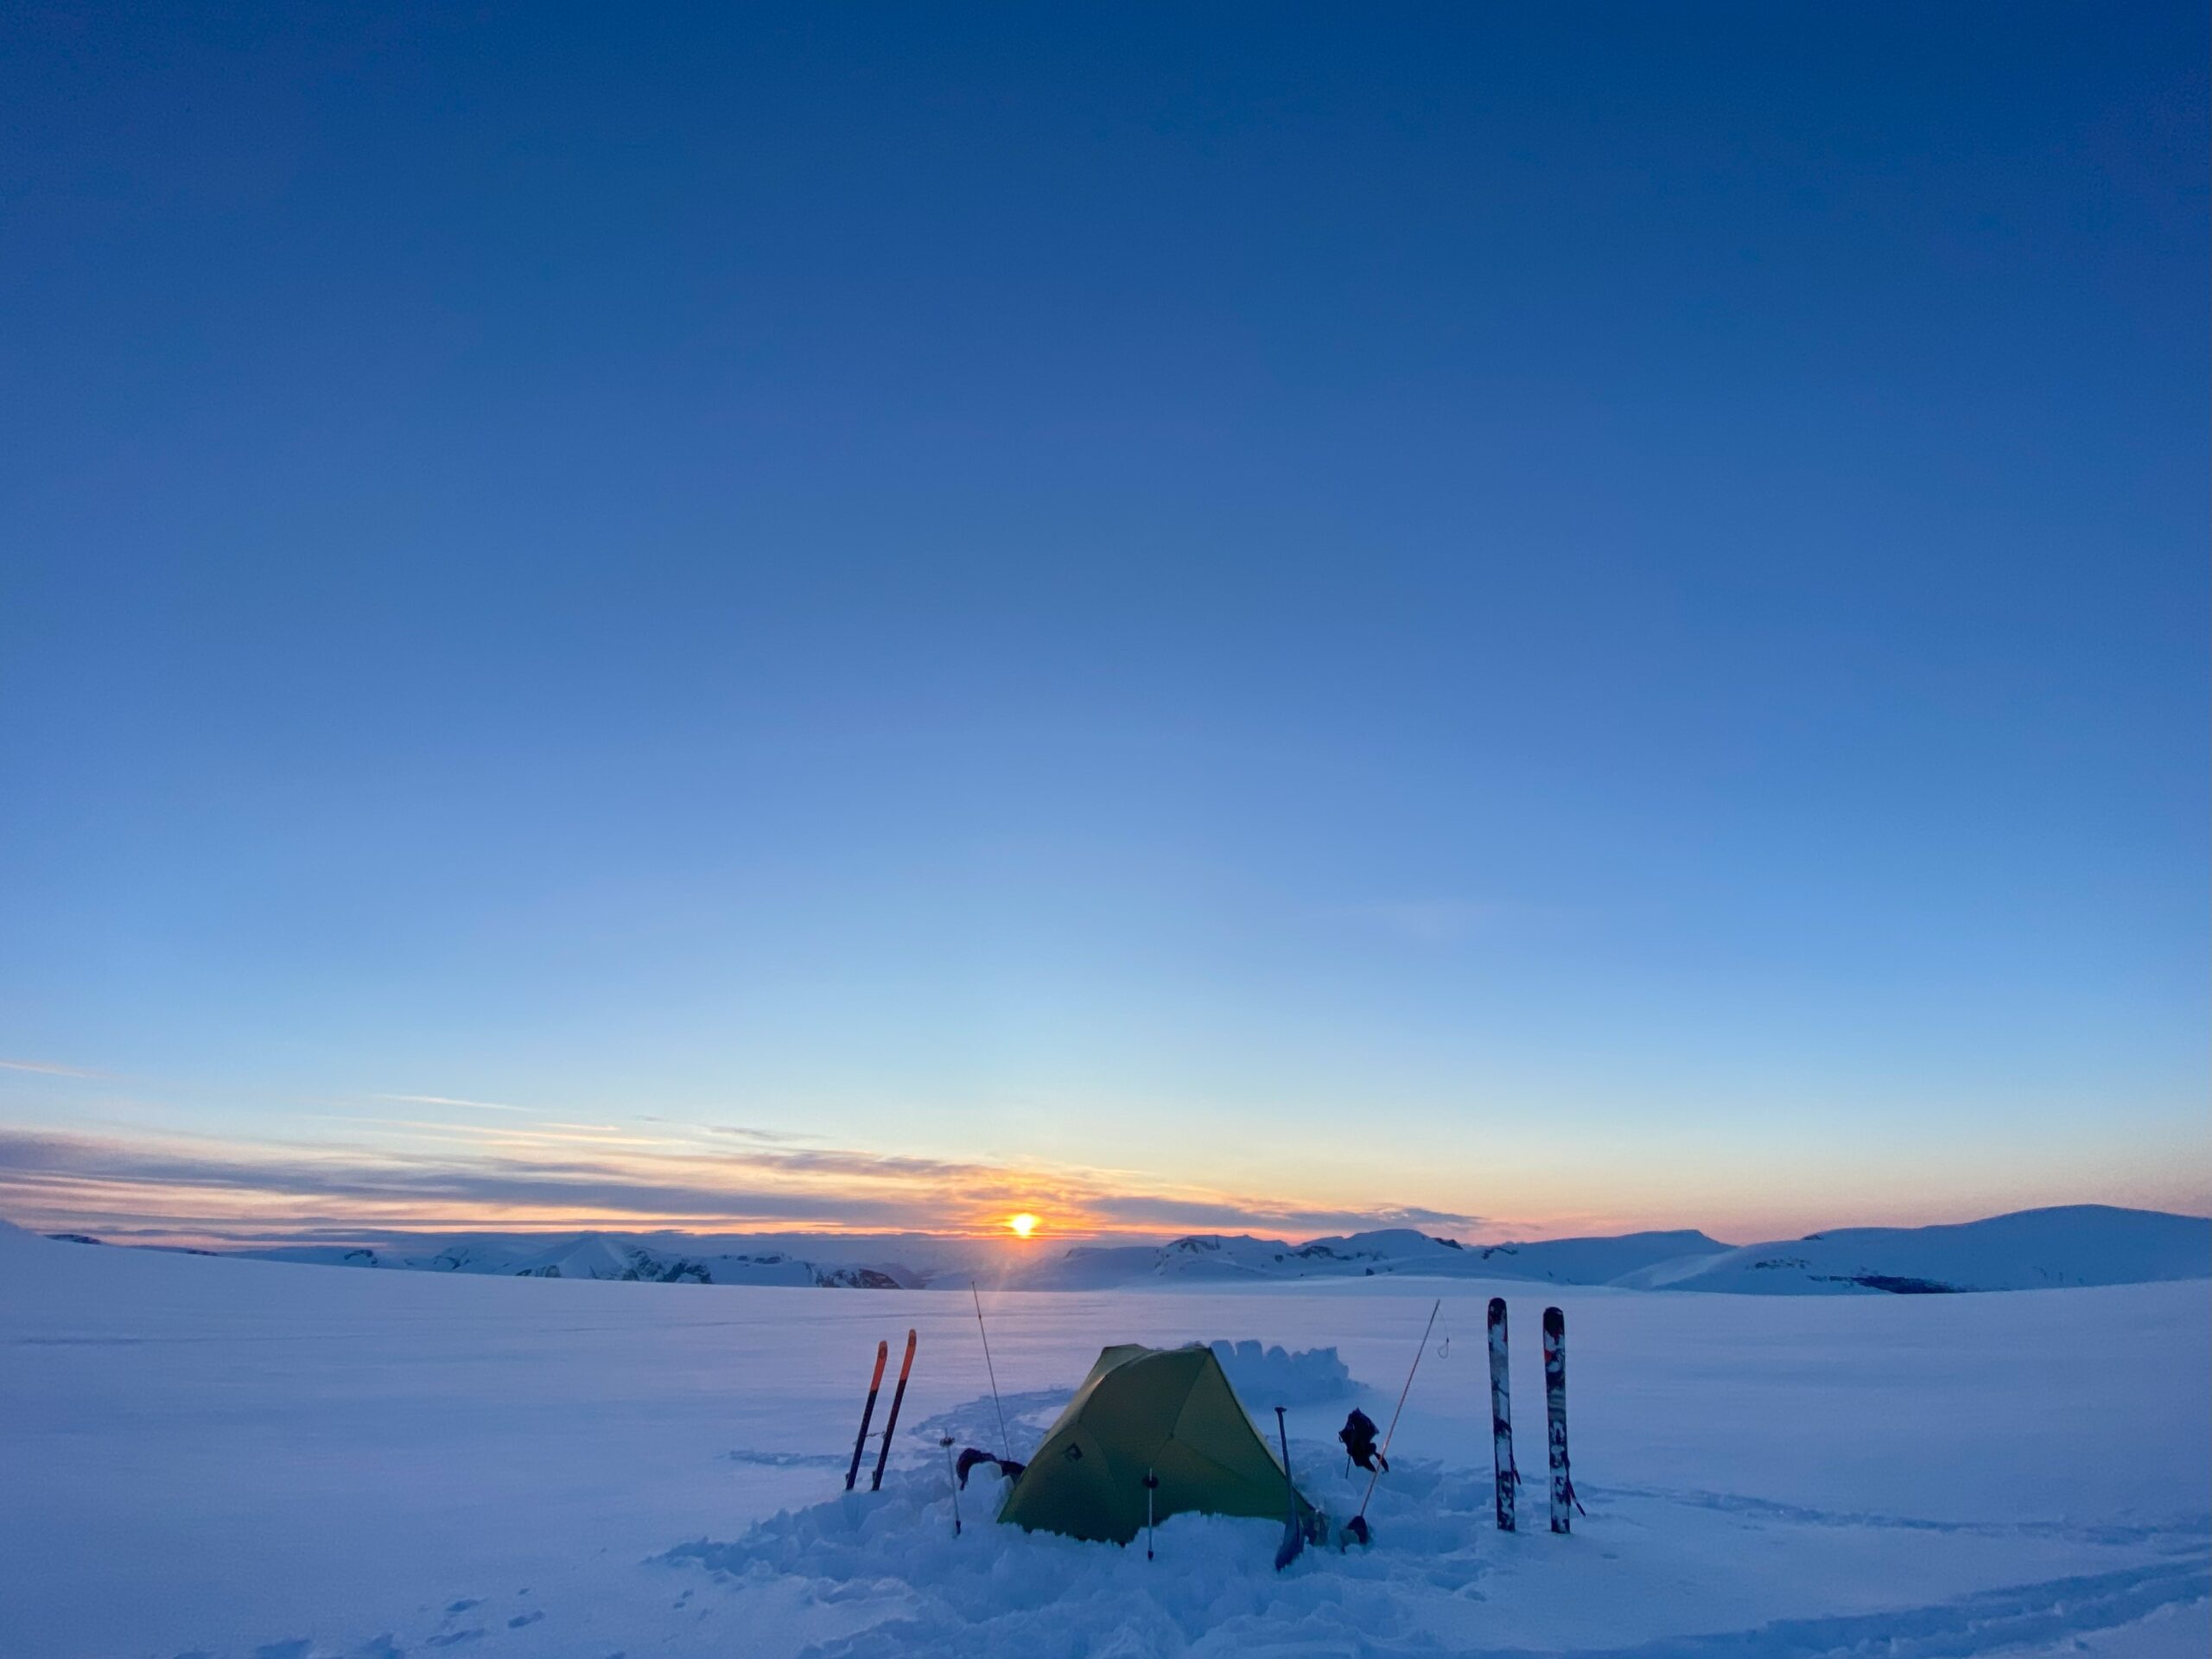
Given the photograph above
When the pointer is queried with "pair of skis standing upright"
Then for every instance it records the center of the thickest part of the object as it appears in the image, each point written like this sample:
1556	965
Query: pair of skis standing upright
1564	1502
891	1424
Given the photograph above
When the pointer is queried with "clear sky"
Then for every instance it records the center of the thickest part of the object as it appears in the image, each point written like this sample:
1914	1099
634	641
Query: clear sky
1222	617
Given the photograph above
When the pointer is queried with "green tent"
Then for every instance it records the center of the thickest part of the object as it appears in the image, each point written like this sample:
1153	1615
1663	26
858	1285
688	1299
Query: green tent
1169	1412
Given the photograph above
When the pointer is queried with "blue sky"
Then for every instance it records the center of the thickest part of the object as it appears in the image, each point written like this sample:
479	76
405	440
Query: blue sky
1271	616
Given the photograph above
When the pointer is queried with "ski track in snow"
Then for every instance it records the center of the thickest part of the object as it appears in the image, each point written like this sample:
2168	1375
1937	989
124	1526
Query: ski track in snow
1759	1508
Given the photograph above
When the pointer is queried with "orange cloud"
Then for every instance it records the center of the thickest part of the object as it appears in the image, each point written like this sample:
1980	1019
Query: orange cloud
519	1178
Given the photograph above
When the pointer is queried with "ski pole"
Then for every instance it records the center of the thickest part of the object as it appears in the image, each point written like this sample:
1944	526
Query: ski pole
947	1444
1357	1525
1006	1441
1150	1485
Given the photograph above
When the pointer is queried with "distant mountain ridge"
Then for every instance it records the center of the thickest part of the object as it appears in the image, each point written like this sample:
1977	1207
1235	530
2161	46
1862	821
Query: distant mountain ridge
1203	1257
2030	1250
2070	1246
603	1255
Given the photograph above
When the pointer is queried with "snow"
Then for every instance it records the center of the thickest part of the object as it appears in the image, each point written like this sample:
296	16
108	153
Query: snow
256	1461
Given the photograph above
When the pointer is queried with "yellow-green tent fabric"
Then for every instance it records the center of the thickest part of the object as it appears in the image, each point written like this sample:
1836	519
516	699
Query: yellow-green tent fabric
1169	1412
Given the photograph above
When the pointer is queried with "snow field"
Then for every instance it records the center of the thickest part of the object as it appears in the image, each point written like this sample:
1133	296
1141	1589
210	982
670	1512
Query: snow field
243	1458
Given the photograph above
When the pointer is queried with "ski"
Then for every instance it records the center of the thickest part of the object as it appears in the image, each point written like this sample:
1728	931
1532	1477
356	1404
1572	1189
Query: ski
1563	1499
876	1382
890	1423
1501	1416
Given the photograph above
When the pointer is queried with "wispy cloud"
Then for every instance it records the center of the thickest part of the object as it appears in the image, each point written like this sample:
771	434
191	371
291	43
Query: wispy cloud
487	1189
1139	1209
508	1179
50	1069
449	1100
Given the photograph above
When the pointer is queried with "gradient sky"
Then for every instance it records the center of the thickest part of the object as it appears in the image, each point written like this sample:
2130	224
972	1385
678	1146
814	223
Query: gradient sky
1182	617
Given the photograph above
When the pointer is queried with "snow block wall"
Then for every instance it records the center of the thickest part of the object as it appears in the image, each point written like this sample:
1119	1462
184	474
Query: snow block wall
1265	1377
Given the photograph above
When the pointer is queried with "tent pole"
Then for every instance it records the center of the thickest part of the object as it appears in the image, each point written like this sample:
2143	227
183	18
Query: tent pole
1005	1444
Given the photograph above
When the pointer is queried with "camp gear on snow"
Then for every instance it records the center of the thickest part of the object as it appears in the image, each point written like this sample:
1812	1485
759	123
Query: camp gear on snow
1170	1413
1293	1534
1358	1525
970	1456
1358	1436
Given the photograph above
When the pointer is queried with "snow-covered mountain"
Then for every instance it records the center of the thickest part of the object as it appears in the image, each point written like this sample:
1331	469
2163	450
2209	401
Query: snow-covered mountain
661	1258
2030	1250
2079	1244
1213	1257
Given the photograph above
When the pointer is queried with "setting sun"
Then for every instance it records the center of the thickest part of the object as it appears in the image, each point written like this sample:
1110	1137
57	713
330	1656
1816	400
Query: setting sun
1023	1224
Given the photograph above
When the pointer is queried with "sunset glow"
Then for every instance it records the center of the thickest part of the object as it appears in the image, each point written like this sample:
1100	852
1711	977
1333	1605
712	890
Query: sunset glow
1021	1225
